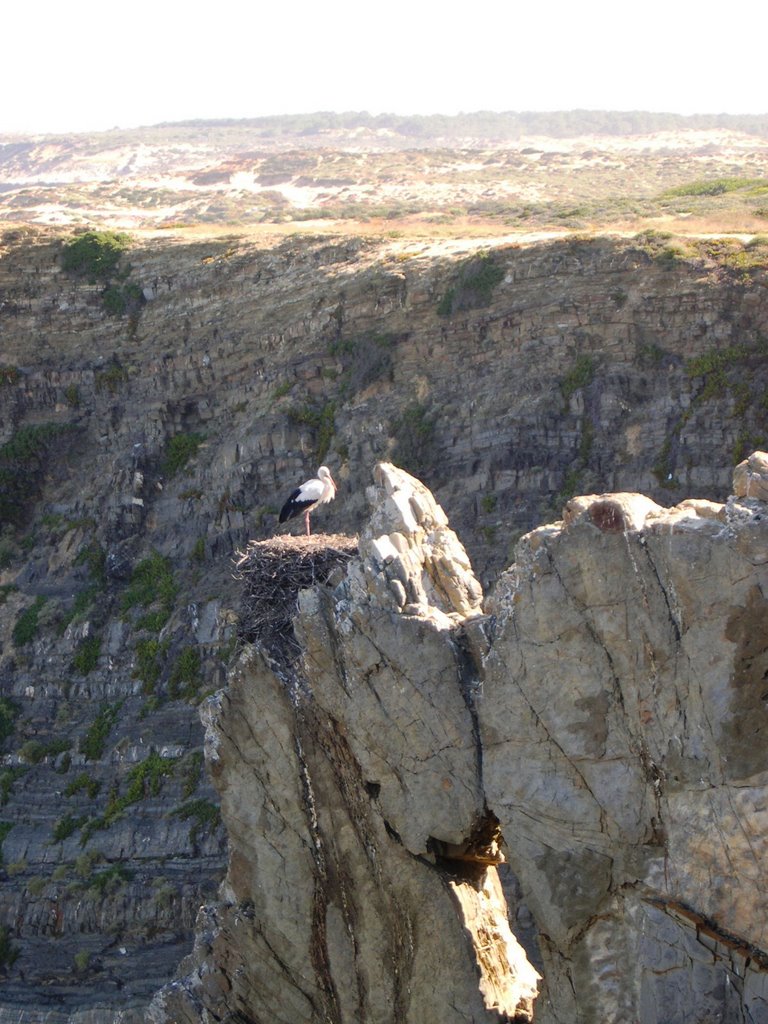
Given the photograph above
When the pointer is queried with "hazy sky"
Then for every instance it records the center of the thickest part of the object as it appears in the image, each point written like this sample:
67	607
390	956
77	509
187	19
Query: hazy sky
86	65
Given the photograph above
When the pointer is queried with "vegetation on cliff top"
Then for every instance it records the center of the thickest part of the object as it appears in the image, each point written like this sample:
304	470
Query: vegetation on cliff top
94	254
473	287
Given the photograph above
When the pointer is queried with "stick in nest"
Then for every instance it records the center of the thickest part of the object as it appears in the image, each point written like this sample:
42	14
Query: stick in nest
274	571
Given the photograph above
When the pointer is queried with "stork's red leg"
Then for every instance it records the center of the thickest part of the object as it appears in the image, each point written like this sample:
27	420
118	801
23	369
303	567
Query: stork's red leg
306	520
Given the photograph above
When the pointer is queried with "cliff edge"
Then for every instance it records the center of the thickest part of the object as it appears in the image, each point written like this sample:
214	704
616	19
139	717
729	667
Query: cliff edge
597	725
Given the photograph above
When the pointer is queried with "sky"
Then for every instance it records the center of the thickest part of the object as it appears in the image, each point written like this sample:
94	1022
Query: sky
89	66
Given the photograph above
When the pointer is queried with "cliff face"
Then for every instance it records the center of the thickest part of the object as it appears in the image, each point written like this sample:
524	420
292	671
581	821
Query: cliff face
139	449
603	728
511	382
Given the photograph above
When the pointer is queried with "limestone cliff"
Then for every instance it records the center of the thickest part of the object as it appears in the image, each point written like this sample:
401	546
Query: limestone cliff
601	725
151	424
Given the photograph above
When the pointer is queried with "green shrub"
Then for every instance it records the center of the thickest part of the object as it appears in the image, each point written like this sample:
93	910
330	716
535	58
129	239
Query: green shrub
366	359
716	360
84	600
474	285
445	305
179	450
579	376
9	712
86	657
321	420
192	773
94	254
715	187
94	556
83	783
25	443
663	467
36	885
33	751
586	440
113	298
8	777
81	960
488	503
111	880
745	444
120	299
144	779
197	553
185	678
23	460
203	814
84	863
111	378
414	431
148	663
8	952
93	743
66	826
5	828
27	624
152	583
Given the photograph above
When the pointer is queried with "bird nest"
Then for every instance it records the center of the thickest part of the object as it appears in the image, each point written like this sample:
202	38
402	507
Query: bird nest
273	572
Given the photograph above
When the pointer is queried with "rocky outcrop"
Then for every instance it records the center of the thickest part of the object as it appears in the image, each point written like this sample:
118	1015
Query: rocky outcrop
622	721
599	725
362	882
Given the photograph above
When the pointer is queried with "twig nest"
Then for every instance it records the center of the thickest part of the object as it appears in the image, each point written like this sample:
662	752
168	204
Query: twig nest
273	573
610	513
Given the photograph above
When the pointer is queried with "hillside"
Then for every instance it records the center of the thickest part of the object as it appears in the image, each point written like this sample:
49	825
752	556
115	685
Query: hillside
470	174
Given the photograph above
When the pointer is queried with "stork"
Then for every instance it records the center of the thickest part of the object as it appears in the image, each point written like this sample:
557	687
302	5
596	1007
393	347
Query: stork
317	491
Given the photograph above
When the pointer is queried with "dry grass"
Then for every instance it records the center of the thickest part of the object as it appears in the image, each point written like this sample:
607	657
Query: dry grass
531	185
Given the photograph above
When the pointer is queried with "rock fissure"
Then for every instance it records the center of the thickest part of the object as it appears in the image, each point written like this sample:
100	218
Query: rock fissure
708	928
673	606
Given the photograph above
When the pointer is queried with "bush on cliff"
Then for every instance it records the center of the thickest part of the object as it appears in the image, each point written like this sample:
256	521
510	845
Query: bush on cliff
94	254
23	461
474	285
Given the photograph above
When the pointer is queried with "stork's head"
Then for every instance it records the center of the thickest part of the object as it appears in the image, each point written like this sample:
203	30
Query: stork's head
324	474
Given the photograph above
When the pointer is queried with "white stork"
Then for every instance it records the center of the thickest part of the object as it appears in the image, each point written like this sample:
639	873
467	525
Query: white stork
316	491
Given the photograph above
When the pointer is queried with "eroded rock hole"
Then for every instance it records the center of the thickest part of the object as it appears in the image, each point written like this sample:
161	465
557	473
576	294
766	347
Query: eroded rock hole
508	980
467	861
607	516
